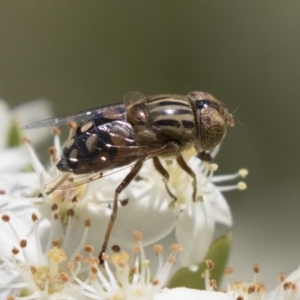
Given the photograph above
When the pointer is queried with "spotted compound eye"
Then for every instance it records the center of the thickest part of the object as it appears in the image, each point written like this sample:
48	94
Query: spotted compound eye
212	127
212	119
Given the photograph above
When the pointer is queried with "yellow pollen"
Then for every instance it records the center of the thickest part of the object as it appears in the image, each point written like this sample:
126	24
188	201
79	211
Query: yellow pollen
57	255
120	259
54	283
243	173
145	264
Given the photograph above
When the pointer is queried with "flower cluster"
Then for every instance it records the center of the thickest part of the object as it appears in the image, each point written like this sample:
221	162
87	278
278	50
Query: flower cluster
50	240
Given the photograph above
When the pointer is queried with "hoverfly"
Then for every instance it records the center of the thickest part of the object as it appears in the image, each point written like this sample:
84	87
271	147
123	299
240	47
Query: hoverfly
140	128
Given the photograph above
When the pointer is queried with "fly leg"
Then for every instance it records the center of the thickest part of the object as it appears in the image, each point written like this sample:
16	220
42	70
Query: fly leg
160	168
183	165
131	175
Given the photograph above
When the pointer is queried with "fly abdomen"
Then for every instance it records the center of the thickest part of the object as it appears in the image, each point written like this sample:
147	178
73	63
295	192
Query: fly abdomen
94	148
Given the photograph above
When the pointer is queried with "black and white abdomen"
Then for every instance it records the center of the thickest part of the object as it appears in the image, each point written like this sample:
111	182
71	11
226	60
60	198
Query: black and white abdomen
95	148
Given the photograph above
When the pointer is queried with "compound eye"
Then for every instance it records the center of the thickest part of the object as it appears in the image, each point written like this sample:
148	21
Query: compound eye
212	127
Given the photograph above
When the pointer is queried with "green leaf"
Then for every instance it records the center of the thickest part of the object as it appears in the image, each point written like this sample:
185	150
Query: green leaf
14	135
218	253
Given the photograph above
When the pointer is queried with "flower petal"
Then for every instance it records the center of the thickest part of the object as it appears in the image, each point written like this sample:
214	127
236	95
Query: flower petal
194	231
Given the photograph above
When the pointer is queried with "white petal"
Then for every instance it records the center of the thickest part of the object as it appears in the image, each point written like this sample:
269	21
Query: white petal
13	159
222	210
7	277
190	294
194	231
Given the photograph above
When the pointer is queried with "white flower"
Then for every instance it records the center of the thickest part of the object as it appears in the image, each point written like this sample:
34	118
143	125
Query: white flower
150	208
13	155
40	262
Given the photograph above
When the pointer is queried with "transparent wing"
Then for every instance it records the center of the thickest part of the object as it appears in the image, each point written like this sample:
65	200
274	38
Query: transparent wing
78	118
53	179
133	97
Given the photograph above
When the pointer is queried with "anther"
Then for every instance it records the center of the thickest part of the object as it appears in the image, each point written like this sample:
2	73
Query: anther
56	131
26	140
56	243
138	236
256	268
70	212
33	270
15	251
87	222
213	284
124	202
88	248
94	270
176	248
10	297
209	264
155	282
5	218
116	248
34	217
2	192
23	243
136	248
56	216
251	289
54	207
243	173
240	298
172	260
78	257
63	277
213	167
104	256
158	249
281	277
69	266
72	125
228	271
241	186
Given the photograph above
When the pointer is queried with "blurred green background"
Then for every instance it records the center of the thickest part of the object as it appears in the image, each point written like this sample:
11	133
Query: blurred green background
81	54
